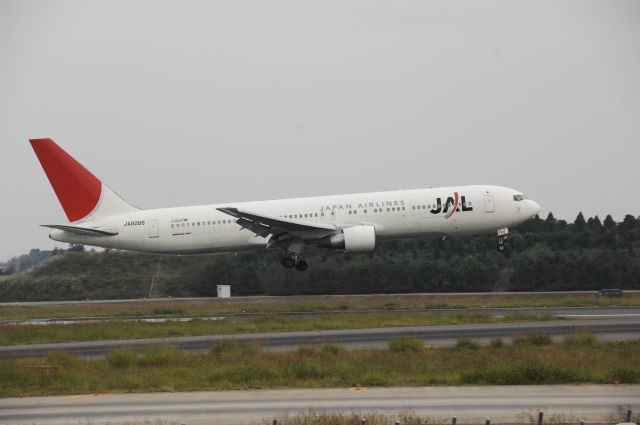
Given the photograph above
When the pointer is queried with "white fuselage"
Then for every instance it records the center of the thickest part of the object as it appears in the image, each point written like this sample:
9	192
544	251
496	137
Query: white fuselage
393	214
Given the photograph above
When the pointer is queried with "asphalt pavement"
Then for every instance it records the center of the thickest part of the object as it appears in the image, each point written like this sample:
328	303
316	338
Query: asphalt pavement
502	404
608	329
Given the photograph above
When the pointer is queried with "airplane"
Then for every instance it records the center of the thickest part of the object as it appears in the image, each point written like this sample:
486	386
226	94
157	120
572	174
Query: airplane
352	223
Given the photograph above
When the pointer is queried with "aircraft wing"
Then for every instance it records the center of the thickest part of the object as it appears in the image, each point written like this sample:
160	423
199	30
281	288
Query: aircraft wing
82	231
264	225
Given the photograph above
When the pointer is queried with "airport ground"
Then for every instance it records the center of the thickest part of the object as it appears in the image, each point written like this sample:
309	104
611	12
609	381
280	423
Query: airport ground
29	323
434	340
532	357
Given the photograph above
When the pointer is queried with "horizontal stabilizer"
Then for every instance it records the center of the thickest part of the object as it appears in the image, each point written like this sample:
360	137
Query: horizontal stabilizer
83	231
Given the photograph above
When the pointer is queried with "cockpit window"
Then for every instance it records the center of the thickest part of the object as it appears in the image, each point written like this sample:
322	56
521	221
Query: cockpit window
519	197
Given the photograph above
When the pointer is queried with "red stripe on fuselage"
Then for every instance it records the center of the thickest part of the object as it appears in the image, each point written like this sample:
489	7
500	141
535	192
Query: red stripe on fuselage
76	188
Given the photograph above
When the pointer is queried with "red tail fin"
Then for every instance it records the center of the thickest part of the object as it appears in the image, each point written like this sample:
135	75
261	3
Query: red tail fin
77	189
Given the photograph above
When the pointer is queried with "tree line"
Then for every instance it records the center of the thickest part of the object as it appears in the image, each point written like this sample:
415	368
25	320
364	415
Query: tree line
542	255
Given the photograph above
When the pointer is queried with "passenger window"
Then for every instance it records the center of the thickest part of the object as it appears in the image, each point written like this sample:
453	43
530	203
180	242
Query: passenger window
349	211
365	211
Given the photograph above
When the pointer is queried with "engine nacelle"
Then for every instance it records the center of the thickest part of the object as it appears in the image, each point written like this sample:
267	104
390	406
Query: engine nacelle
352	239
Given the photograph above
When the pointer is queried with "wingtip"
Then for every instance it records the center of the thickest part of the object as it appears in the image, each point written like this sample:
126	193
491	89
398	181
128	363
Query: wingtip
228	210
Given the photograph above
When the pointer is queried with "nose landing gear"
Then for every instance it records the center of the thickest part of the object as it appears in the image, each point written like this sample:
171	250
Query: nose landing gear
503	234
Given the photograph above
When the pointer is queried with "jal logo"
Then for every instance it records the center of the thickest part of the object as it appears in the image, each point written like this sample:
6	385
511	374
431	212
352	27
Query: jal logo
451	205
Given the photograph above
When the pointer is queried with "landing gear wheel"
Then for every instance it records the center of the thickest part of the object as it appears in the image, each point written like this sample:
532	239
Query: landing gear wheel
301	265
288	262
503	234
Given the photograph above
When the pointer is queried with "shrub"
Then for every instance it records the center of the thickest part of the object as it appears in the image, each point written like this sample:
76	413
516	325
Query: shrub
332	348
534	339
406	344
625	375
582	339
375	379
307	350
232	348
161	355
309	370
326	348
122	358
496	343
466	344
62	358
527	373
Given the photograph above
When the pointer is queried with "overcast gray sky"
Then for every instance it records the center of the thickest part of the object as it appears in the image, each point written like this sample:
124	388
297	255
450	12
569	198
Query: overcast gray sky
193	102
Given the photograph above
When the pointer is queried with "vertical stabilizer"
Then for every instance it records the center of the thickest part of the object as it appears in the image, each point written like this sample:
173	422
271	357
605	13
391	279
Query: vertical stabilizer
82	195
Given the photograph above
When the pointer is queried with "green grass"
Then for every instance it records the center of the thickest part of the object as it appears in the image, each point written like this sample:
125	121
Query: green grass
344	303
235	365
32	334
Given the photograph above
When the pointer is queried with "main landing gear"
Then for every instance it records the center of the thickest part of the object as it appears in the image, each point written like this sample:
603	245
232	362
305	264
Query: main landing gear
292	260
503	234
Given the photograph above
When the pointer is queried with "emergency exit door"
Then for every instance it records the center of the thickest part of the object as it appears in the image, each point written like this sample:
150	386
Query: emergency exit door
154	232
489	203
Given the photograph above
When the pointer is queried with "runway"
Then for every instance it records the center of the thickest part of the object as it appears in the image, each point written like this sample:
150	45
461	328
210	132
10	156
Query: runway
609	329
500	403
560	312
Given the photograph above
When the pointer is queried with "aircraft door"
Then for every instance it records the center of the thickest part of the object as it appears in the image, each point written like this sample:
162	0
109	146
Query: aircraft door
489	203
154	231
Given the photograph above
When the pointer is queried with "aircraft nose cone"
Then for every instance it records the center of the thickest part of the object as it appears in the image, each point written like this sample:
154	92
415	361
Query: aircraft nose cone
534	206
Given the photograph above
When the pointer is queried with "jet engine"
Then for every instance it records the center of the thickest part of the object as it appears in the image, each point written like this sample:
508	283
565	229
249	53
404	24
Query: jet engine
351	239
